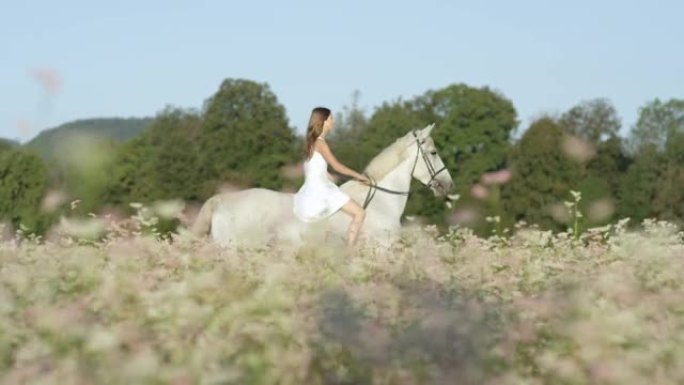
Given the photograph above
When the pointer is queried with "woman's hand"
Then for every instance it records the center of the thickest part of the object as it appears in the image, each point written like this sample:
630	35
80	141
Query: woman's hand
363	179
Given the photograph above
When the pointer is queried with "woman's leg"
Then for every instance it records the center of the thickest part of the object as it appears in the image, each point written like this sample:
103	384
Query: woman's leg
358	214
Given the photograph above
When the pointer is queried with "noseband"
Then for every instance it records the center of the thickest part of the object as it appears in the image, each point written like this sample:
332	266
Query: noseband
373	187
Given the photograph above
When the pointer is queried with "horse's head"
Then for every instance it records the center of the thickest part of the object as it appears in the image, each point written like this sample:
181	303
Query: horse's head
428	167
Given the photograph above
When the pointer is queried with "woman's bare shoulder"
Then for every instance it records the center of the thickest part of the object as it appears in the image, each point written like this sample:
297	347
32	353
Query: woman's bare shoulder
321	143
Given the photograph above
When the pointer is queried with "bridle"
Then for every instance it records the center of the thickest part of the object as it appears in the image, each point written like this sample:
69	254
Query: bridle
373	187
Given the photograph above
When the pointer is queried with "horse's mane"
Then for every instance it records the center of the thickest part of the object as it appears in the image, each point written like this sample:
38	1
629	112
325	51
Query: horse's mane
387	160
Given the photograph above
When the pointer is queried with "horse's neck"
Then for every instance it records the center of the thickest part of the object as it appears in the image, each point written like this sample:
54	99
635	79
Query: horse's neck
399	179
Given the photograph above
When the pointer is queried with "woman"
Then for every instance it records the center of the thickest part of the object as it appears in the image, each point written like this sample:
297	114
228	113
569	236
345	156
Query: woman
319	197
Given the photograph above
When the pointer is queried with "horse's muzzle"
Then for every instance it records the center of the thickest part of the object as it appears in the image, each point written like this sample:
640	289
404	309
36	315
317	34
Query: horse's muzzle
441	189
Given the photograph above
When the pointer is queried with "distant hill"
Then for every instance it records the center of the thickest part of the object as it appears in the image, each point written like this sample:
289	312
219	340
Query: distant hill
118	129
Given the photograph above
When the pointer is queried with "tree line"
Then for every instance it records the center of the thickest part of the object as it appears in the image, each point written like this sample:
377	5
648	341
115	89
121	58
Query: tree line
241	137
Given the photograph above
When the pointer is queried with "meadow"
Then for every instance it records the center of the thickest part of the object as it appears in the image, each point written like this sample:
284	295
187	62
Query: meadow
535	307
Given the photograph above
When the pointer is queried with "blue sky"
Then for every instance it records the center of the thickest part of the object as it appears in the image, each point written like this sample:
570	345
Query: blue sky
131	58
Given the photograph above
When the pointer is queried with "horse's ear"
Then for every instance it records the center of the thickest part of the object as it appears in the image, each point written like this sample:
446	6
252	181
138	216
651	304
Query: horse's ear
425	132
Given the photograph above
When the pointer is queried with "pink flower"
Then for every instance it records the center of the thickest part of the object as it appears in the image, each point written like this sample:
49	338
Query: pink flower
496	177
479	191
463	217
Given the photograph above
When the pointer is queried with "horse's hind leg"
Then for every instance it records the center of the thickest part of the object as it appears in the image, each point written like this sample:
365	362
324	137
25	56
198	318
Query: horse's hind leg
224	227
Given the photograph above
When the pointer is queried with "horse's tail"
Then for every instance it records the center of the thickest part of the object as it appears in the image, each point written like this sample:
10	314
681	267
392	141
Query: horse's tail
202	223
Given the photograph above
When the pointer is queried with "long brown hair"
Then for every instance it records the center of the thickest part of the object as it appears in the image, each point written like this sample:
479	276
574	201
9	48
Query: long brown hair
315	128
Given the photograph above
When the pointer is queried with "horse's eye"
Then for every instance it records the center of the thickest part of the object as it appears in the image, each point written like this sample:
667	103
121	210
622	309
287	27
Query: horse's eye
433	152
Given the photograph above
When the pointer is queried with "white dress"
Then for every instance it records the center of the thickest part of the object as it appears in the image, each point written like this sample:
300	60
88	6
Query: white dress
318	197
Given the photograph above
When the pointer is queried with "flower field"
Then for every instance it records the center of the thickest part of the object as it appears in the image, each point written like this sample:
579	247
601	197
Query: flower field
533	308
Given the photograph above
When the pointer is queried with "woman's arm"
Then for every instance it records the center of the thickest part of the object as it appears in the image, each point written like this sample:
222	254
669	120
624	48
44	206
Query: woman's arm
322	147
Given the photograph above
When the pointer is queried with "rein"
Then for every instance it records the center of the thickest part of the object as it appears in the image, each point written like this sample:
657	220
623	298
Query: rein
375	187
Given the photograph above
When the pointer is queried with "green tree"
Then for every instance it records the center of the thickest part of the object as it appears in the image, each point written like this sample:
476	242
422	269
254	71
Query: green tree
173	158
23	184
245	134
127	181
474	126
590	138
610	163
160	164
351	120
602	179
594	120
639	185
668	202
349	125
658	122
652	184
474	130
542	175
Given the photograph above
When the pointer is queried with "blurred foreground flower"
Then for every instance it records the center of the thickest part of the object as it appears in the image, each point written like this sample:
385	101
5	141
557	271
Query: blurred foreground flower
601	210
577	148
465	216
24	127
48	78
52	200
479	191
559	212
169	209
293	171
228	187
85	154
89	228
496	177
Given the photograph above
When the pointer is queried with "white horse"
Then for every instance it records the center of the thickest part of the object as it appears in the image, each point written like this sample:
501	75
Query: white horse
257	216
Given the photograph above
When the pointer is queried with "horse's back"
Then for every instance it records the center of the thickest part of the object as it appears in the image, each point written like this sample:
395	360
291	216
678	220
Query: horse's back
249	214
